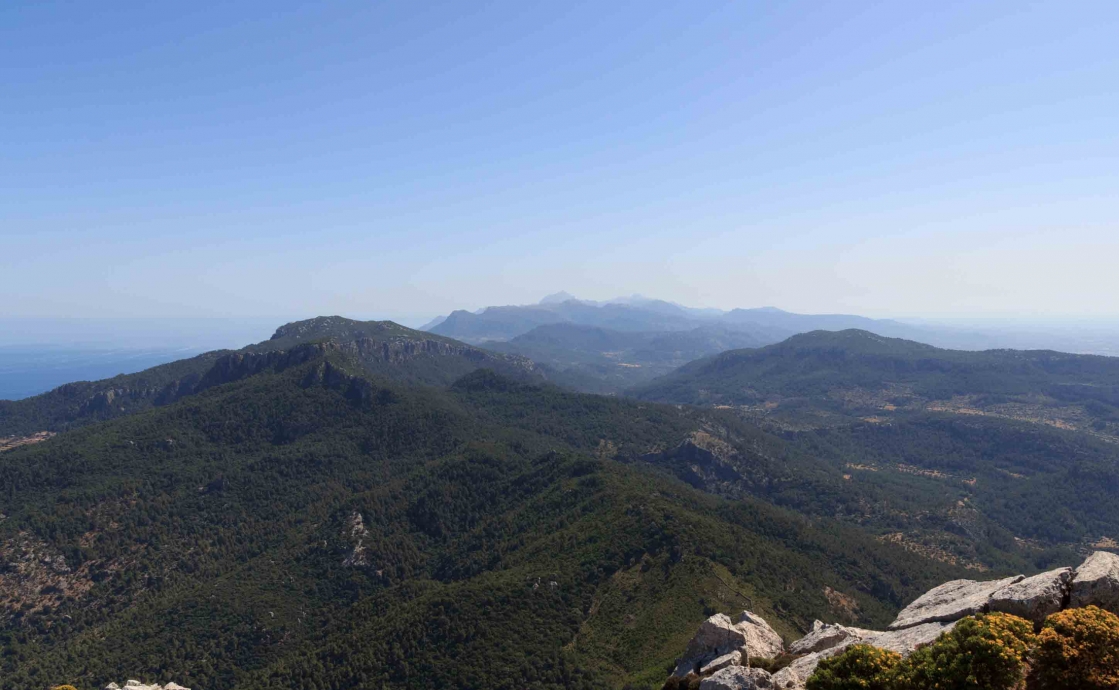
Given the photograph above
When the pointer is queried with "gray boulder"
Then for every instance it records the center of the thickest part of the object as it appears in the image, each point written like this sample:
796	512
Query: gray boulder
907	640
738	678
718	636
1097	582
904	642
951	601
828	635
761	640
730	659
1036	597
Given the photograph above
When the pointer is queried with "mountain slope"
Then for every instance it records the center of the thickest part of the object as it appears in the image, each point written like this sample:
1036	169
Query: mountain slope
304	512
818	363
956	454
380	347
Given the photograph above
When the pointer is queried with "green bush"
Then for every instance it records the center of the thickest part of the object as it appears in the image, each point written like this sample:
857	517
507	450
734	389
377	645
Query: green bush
859	667
988	652
689	682
1078	648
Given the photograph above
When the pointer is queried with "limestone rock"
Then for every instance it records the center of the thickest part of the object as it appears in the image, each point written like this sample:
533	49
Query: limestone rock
174	686
718	636
904	642
951	601
761	640
828	635
730	659
738	678
907	640
1035	597
1097	582
112	686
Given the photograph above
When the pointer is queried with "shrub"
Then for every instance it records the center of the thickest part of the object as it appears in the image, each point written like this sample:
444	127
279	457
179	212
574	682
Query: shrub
690	682
988	652
859	667
1078	648
774	664
64	687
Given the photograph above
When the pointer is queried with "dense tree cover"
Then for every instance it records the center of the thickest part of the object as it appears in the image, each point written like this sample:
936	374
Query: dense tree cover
212	541
1077	648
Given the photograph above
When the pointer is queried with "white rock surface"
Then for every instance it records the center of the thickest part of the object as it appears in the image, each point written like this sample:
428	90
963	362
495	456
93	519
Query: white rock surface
828	635
907	640
137	685
738	678
904	642
761	640
731	659
951	601
1097	582
718	636
1035	597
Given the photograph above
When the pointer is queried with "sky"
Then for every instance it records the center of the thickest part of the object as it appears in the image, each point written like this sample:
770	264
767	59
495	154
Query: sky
404	159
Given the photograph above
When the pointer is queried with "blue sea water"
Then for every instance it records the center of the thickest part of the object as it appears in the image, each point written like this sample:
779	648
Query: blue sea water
26	371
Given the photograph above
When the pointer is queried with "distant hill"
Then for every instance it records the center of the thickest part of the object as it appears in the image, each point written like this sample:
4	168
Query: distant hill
823	363
381	347
603	360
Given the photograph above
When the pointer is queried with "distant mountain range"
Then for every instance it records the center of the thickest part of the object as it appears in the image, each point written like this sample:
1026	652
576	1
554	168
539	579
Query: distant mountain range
640	314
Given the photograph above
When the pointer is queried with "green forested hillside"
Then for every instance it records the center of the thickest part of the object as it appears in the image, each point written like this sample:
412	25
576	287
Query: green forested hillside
958	455
818	363
309	526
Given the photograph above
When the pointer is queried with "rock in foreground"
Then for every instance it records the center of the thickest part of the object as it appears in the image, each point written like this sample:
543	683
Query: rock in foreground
717	637
1097	582
951	601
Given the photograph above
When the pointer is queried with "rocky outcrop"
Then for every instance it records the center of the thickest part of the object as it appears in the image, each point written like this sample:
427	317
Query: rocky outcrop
827	636
137	685
951	601
908	640
1097	582
738	678
732	659
1034	598
718	636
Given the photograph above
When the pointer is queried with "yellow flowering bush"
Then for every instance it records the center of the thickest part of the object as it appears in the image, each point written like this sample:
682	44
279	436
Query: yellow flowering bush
988	652
859	667
1078	648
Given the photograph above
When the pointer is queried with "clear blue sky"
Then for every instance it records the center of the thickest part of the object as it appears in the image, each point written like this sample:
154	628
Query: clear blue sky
408	158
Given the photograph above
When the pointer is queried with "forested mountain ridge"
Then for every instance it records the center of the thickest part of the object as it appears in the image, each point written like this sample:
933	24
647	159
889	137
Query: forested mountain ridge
381	347
953	452
490	534
890	373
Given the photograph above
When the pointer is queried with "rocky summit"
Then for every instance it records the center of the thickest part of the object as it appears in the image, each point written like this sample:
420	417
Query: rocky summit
721	652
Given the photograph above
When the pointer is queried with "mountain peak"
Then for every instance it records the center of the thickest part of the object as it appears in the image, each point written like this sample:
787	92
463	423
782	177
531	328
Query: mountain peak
558	298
